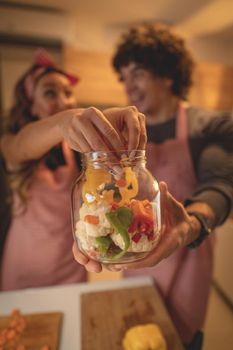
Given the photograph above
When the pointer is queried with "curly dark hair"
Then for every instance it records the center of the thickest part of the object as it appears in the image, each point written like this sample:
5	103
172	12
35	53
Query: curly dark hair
158	50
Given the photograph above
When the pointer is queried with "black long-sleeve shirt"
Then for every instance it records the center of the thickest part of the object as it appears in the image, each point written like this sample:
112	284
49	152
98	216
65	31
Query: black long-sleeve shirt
210	138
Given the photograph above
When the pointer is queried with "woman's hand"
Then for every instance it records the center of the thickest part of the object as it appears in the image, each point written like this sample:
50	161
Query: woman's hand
179	229
130	124
93	130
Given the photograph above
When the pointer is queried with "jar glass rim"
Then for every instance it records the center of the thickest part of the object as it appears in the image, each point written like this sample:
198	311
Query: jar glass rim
114	156
126	151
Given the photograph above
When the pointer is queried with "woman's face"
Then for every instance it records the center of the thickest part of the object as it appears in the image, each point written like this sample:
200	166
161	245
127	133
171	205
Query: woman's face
53	93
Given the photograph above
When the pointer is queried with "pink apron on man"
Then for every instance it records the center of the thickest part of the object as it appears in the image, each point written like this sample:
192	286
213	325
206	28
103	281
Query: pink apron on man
38	249
184	278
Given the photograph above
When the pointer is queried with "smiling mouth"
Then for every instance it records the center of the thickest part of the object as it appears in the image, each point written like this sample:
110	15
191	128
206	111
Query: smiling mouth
135	99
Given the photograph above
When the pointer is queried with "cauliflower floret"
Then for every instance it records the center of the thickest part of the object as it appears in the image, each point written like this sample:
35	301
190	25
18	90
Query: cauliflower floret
118	240
143	245
100	211
87	242
96	230
87	210
103	228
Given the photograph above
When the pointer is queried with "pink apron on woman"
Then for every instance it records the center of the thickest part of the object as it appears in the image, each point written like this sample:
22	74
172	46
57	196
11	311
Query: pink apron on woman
38	249
184	278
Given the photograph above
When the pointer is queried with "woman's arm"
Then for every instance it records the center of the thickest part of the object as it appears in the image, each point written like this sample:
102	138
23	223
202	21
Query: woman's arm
33	140
84	130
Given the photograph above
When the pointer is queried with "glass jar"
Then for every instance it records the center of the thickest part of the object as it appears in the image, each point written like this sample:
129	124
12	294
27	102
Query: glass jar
116	207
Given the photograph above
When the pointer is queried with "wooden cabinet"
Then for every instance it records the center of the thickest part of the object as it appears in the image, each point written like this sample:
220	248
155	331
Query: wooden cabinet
213	83
98	85
213	86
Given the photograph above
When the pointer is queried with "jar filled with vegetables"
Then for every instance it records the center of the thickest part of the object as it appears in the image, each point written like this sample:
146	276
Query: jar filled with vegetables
116	207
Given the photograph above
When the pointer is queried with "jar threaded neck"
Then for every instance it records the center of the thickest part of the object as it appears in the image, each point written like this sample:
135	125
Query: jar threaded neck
125	158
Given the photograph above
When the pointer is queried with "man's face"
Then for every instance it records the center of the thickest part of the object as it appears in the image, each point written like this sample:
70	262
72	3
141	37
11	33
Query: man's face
144	90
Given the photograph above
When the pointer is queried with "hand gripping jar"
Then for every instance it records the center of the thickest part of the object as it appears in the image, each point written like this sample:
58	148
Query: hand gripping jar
116	207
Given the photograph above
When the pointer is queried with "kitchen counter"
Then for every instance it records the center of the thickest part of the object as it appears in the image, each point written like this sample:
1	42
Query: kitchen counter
65	299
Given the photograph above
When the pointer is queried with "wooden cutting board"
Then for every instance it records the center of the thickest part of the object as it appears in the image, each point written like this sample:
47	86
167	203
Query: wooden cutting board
107	315
41	329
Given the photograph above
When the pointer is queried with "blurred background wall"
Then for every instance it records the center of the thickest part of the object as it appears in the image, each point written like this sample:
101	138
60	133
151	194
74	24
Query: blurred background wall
82	35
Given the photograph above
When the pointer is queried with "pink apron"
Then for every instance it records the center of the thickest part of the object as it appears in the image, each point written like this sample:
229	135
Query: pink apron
38	250
184	278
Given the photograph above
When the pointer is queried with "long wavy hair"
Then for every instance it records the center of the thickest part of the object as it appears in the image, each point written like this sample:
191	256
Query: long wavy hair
20	115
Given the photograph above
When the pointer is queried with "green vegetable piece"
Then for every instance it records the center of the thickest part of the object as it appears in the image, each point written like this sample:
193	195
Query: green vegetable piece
120	220
103	243
125	216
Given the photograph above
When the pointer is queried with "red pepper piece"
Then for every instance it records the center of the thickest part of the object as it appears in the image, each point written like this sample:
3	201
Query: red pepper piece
114	206
136	237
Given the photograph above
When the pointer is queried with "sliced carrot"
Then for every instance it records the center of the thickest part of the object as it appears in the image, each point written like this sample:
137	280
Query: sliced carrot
11	334
2	340
13	323
20	328
15	313
21	347
45	347
92	219
4	332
